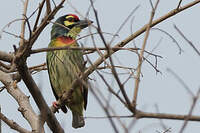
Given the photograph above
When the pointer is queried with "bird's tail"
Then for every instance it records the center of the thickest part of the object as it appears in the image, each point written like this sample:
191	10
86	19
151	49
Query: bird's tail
78	120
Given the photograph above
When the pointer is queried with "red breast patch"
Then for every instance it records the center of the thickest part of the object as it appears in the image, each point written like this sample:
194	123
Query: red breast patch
64	41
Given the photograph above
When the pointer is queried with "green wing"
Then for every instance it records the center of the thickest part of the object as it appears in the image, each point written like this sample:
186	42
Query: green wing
50	63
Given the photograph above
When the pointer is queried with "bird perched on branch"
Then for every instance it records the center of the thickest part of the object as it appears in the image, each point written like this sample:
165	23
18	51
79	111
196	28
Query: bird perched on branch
65	65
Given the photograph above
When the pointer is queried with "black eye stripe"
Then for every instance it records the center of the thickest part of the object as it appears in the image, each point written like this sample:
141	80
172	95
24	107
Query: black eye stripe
71	19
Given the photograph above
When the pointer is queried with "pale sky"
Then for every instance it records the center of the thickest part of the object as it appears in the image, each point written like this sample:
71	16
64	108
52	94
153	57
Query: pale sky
161	89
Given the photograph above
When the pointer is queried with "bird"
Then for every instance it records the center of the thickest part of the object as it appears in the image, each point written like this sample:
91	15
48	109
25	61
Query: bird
65	65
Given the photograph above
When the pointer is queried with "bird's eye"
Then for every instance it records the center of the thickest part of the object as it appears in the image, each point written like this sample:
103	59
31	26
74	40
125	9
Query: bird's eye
70	19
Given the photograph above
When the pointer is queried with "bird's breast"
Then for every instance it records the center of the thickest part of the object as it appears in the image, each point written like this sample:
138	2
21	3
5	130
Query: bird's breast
64	41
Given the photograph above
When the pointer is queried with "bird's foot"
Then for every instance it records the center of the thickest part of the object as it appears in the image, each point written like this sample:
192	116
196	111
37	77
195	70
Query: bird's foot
55	105
84	63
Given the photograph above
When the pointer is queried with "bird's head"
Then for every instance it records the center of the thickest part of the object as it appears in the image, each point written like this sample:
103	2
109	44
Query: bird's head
68	25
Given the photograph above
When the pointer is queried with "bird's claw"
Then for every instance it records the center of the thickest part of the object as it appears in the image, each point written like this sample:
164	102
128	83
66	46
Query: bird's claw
55	105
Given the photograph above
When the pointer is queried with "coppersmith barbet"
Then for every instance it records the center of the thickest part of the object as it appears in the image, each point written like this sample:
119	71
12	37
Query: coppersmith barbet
65	65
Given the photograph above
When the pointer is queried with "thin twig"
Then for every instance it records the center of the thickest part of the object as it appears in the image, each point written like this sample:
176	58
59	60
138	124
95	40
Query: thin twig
195	98
161	121
29	26
38	16
17	36
37	66
7	25
179	4
188	41
173	39
167	130
124	23
48	6
94	34
155	67
2	88
137	80
109	87
156	57
23	25
105	109
54	3
181	81
109	108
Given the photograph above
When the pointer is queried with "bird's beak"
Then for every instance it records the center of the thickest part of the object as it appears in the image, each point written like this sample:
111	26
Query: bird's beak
84	23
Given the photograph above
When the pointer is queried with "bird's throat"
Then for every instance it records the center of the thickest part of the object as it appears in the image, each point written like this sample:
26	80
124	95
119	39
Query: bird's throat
64	41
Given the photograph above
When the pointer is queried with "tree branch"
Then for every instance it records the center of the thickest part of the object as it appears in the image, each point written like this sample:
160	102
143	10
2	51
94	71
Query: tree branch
79	48
38	16
140	115
5	56
23	26
148	115
13	124
20	60
22	100
46	113
137	80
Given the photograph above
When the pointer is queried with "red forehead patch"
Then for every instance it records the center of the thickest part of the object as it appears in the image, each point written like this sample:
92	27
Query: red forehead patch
76	17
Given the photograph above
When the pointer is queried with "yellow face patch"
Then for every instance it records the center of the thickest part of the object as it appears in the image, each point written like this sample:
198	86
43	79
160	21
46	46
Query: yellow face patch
67	22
